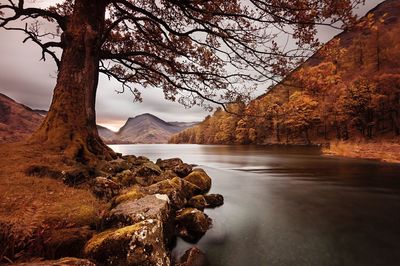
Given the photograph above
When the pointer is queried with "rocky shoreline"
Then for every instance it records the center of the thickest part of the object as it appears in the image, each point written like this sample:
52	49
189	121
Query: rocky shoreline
150	205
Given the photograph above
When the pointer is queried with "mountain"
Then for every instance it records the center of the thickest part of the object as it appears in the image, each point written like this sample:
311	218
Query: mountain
144	128
17	121
348	90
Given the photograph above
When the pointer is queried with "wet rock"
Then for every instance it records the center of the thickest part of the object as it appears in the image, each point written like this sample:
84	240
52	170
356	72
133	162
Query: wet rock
105	188
133	193
67	242
214	200
61	262
193	257
199	178
191	224
198	202
138	244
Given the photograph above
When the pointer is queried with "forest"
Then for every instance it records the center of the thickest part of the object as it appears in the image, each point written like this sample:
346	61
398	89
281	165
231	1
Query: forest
349	90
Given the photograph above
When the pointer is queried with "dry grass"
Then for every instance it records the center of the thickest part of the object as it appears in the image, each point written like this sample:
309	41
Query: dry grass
30	204
380	150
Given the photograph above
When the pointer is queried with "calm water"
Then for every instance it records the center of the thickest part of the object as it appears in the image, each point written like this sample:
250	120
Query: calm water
292	206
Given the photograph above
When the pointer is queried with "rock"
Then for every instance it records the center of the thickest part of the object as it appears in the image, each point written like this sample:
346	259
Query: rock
133	211
136	160
61	262
138	244
175	164
183	169
125	178
192	224
167	174
66	242
133	193
169	163
214	200
199	178
193	257
116	166
148	207
198	202
105	188
177	189
146	173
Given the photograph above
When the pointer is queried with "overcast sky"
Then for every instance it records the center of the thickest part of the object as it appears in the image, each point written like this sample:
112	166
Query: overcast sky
30	81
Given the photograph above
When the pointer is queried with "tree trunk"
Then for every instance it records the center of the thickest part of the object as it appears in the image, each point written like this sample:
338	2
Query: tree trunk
70	124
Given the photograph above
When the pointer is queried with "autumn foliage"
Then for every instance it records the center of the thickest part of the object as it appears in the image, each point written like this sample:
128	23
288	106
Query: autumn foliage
349	90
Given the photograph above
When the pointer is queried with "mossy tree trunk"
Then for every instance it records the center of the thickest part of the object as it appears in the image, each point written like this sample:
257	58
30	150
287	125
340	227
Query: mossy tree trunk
70	124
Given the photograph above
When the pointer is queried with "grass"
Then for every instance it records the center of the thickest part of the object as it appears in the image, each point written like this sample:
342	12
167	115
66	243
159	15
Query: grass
29	205
375	150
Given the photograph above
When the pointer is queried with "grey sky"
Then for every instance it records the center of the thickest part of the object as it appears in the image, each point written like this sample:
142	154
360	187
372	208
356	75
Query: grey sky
30	81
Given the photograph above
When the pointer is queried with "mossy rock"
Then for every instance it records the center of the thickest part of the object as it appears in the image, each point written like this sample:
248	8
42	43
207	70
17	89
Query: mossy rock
134	193
199	178
138	244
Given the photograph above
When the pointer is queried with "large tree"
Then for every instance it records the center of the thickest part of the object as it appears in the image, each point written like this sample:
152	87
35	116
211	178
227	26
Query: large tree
194	50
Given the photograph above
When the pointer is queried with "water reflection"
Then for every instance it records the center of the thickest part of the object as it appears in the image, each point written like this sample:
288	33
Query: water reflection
291	206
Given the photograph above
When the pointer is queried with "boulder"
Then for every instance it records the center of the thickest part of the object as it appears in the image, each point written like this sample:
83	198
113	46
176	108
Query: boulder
198	202
146	173
199	178
193	257
138	244
177	189
125	178
213	200
61	262
133	211
175	164
191	224
116	166
167	174
183	169
133	193
66	242
169	163
105	188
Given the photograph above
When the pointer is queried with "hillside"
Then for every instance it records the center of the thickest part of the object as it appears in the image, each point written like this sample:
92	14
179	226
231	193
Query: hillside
144	128
17	121
349	90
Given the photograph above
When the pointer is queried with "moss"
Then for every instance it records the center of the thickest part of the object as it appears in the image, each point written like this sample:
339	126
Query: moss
132	194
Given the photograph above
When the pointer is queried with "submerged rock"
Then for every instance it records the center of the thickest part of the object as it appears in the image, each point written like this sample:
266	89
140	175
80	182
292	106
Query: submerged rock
199	178
193	257
192	224
138	244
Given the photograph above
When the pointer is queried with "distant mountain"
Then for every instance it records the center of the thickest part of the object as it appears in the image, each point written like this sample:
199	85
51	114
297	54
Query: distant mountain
144	128
17	121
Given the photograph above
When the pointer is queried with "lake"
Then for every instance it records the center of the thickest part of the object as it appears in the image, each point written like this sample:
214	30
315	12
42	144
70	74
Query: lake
293	206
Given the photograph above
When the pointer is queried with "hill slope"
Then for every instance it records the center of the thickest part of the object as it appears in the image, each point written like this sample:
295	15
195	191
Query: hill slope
349	90
146	128
17	121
